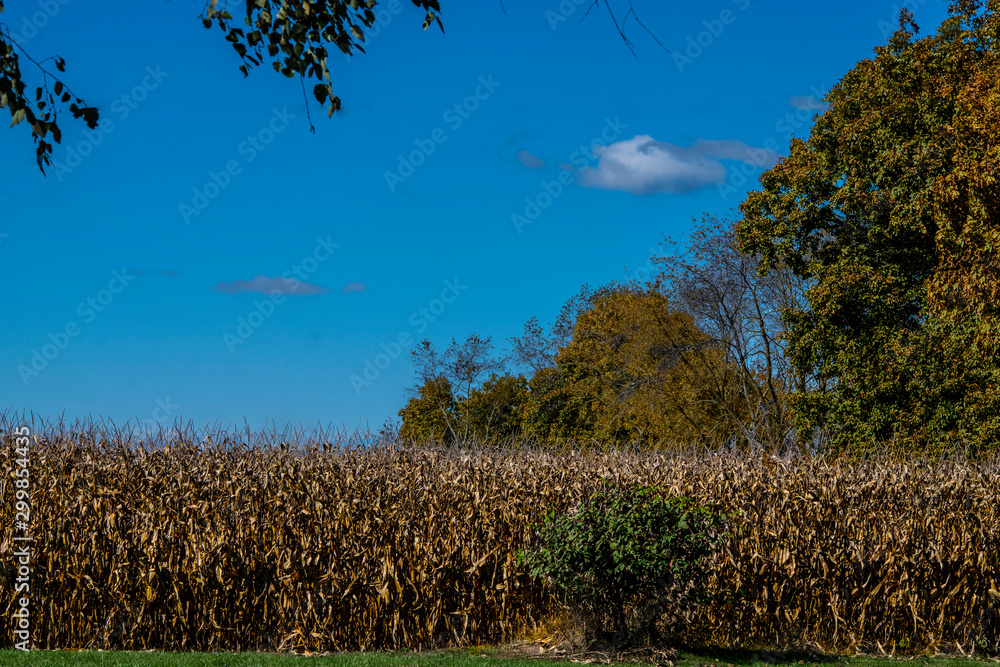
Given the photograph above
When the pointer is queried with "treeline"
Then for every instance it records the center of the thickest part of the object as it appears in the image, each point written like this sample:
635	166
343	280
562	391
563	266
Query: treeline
695	354
852	305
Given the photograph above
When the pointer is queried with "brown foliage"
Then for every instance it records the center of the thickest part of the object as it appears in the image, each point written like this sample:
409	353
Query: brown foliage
393	547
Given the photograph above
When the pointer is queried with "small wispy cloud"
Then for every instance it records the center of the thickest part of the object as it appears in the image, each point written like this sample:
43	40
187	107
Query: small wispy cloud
806	103
267	285
162	272
355	287
530	161
641	165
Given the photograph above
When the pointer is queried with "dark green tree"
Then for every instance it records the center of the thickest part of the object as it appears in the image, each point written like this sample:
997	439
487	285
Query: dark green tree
38	106
295	36
891	207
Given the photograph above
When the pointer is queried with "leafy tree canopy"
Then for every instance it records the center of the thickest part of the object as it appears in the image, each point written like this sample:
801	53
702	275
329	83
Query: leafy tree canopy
633	372
891	207
463	393
431	413
295	34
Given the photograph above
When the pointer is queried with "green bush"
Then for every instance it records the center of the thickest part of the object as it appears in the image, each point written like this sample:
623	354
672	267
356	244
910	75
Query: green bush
628	561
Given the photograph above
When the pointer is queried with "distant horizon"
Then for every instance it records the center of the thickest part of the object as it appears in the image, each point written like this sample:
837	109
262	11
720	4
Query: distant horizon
142	425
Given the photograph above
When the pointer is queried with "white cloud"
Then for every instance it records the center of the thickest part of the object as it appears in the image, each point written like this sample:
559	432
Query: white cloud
641	165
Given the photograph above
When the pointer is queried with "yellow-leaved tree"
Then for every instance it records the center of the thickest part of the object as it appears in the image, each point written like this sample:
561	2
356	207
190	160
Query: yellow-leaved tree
635	371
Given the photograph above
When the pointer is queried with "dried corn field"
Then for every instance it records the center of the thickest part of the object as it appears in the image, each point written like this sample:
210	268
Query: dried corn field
248	548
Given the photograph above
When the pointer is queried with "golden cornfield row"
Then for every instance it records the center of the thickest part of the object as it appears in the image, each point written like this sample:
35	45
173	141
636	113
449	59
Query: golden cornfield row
396	547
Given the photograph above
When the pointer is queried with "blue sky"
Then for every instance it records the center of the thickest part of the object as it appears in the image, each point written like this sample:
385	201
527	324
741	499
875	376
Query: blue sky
455	192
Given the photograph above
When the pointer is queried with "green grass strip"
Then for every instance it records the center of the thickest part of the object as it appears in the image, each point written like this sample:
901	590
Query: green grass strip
476	657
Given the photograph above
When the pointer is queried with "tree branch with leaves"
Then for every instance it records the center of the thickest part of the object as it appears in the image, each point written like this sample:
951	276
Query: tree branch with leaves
39	108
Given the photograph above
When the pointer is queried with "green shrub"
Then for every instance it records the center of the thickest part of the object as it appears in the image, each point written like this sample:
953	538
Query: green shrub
627	562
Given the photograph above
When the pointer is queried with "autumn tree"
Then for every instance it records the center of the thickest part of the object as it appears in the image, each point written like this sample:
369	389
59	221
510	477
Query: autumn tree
741	308
495	409
632	373
462	393
890	208
536	349
554	410
431	414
